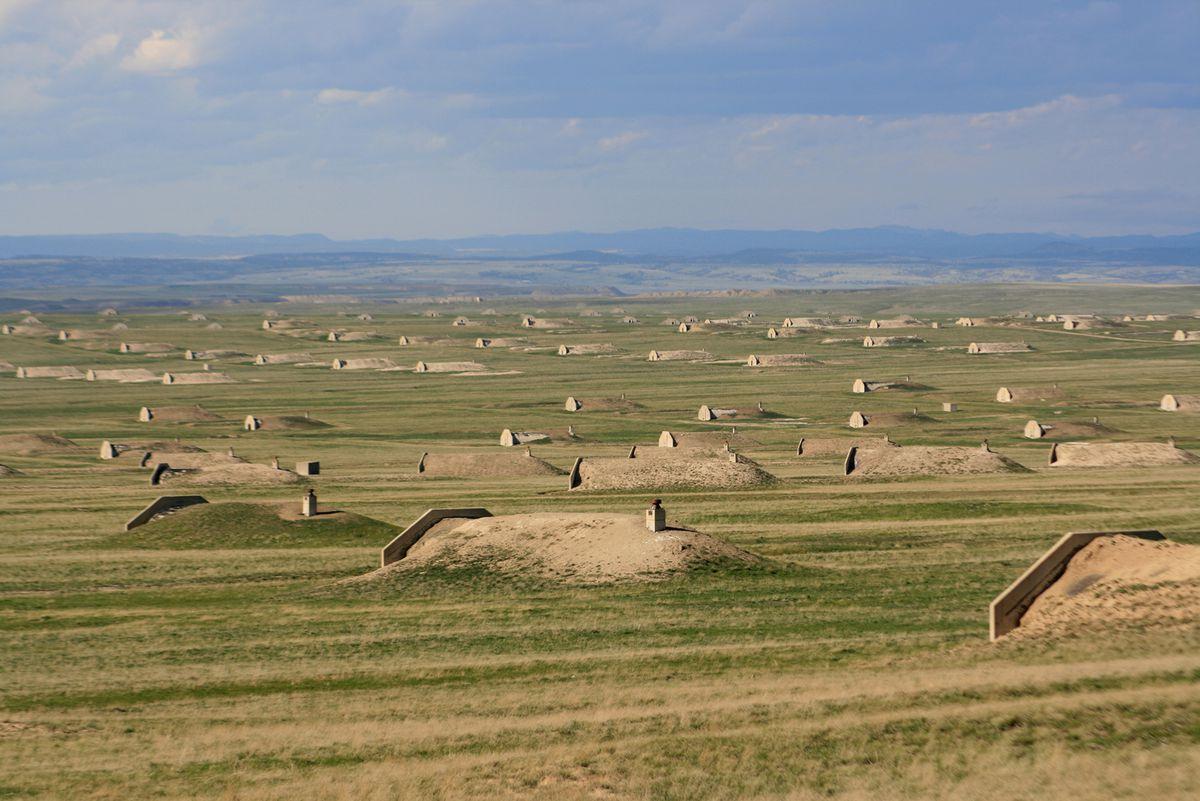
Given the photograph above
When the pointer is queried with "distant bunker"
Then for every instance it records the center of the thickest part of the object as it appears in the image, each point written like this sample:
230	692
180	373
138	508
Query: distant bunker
1118	454
1180	403
924	460
485	465
1107	581
817	447
890	342
233	473
998	347
679	356
282	422
862	386
189	522
598	349
1029	394
884	419
176	414
782	360
577	404
1056	429
707	413
588	548
654	469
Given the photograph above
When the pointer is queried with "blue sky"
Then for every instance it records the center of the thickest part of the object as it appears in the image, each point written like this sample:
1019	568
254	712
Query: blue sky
449	118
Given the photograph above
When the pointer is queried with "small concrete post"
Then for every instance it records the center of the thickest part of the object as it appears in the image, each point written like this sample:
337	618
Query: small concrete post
274	462
308	504
656	516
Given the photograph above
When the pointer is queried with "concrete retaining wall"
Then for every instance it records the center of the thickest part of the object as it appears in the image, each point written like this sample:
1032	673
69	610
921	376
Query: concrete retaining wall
164	503
398	548
1006	610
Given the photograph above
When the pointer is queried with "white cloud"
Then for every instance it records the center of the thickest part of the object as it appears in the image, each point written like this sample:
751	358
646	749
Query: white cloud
1066	104
331	97
94	49
22	95
620	141
163	52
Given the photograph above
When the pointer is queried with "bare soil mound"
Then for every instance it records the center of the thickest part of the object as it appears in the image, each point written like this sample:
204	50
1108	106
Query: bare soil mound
135	375
700	440
782	360
838	446
183	414
930	461
606	405
66	373
485	465
1119	582
196	378
582	548
679	356
1054	429
1118	454
283	358
290	422
235	474
682	470
449	367
35	444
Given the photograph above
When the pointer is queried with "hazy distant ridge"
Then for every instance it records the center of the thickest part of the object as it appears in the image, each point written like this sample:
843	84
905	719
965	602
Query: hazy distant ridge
667	242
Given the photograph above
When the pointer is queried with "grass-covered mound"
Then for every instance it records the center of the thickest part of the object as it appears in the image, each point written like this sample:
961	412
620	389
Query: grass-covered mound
255	525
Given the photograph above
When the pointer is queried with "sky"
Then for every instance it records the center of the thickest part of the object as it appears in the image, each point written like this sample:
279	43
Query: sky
452	118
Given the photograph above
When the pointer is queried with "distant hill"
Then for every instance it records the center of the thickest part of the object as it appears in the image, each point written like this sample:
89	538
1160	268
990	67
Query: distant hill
671	243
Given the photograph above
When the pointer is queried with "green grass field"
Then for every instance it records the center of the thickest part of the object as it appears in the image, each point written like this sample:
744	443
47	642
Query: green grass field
224	661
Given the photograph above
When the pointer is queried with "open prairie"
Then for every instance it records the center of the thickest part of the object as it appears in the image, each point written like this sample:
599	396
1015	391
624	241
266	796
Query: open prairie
223	656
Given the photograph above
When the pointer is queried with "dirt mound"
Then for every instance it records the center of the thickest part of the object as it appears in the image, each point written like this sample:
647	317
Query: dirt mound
254	525
702	440
145	347
928	461
998	347
881	419
283	358
136	375
1118	454
63	373
890	342
711	412
680	470
1180	403
485	465
679	356
9	472
601	405
1029	394
172	379
182	414
781	360
212	355
1056	430
599	349
237	474
584	548
838	446
1119	582
363	364
449	367
35	444
290	422
191	459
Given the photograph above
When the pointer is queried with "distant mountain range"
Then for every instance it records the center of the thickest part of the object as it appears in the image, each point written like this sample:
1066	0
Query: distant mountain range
661	243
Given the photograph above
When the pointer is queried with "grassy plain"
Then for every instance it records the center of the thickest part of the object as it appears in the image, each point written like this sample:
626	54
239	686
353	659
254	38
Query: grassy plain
853	665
